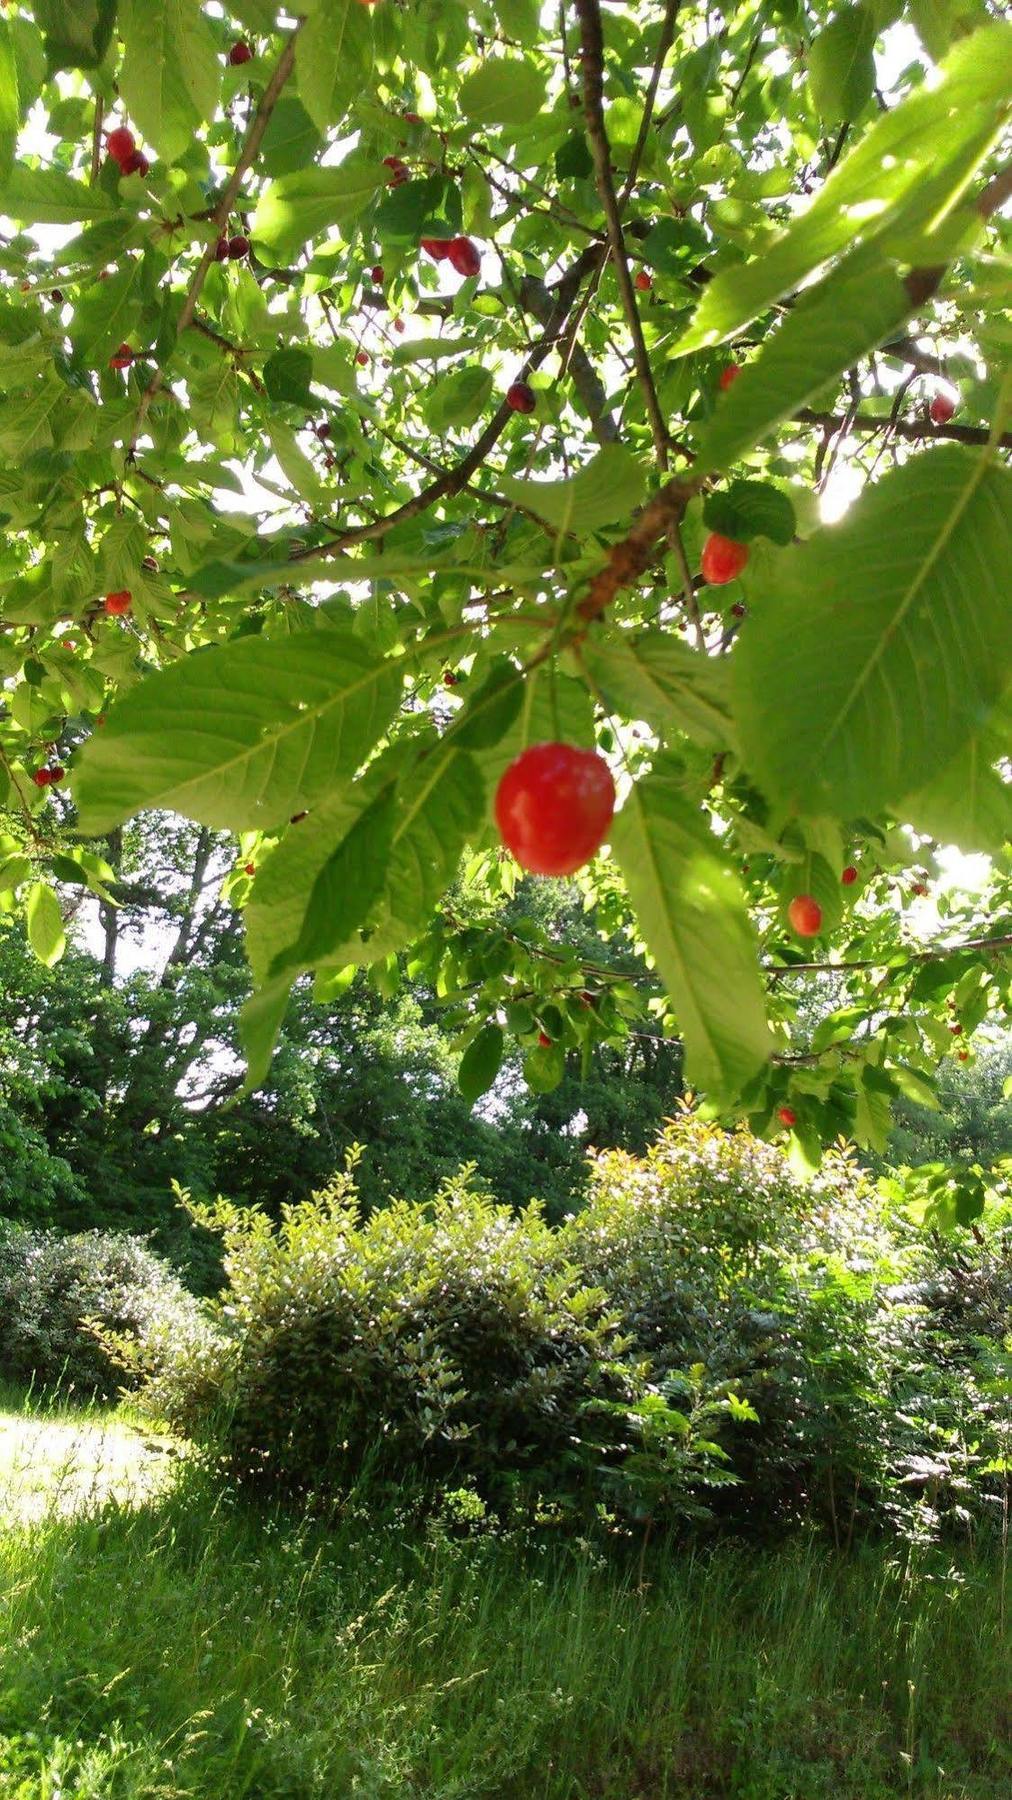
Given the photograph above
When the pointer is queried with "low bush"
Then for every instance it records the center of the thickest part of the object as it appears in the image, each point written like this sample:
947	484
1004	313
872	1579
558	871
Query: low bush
53	1286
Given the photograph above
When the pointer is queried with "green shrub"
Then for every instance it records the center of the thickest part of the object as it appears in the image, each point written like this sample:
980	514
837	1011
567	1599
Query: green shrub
51	1286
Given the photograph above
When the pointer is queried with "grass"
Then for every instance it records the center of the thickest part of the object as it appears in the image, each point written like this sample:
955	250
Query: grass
185	1645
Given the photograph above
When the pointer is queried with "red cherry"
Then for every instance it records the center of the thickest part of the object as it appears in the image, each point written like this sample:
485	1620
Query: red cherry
122	358
56	297
410	118
787	1116
121	144
957	1030
399	171
149	563
137	164
805	915
738	610
240	53
729	376
437	248
362	358
643	282
42	778
918	887
249	868
964	1056
376	275
520	397
323	431
449	678
57	774
553	807
849	875
544	1040
238	247
118	603
941	409
398	325
465	256
723	559
221	249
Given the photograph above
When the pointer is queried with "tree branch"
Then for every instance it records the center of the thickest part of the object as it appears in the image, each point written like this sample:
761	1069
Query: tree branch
247	157
592	40
667	38
902	428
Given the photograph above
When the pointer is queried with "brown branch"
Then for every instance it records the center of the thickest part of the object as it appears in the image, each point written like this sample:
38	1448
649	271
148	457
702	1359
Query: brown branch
633	553
592	41
903	428
453	480
247	157
778	970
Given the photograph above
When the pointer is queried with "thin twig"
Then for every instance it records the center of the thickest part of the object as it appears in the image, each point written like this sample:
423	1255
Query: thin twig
667	38
903	428
247	157
688	591
96	138
592	41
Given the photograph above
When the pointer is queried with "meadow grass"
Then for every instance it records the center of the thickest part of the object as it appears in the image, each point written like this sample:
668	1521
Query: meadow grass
187	1644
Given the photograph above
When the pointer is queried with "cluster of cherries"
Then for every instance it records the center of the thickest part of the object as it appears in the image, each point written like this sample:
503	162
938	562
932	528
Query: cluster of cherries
49	777
122	147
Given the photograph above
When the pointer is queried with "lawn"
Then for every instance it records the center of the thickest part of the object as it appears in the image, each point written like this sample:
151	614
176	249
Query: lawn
160	1639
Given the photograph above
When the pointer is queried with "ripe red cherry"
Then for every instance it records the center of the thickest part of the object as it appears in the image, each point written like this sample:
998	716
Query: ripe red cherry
323	431
723	559
362	358
399	325
787	1116
122	358
118	603
42	778
643	282
464	256
137	164
399	172
221	249
553	807
437	248
376	275
729	376
957	1030
238	247
240	53
918	887
849	875
941	409
410	118
56	774
249	868
544	1040
121	144
738	610
521	397
805	915
449	678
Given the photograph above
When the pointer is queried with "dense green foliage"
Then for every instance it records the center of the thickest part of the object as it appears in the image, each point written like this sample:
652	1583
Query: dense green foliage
707	1339
197	1651
53	1286
281	557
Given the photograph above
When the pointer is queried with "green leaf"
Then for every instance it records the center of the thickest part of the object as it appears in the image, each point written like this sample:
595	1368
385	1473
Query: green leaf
288	375
291	140
45	924
309	202
692	913
77	32
49	197
459	399
490	712
653	677
841	64
504	91
9	105
748	509
239	736
828	330
346	888
967	803
544	1067
440	804
605	490
884	642
480	1063
170	77
333	59
916	159
107	313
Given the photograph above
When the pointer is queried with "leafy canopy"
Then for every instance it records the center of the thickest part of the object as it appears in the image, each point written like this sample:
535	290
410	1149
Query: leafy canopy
734	261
